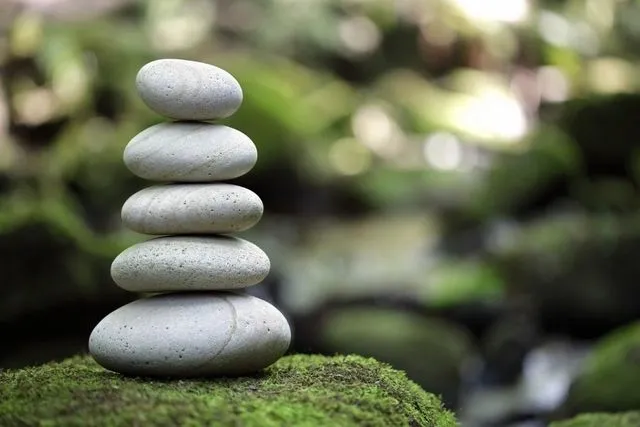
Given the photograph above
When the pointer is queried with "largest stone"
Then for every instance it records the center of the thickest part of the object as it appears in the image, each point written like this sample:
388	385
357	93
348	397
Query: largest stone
191	334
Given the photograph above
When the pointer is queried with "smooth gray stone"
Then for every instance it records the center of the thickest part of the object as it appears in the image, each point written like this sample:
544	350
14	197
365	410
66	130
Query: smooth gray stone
192	209
190	152
190	263
188	90
191	335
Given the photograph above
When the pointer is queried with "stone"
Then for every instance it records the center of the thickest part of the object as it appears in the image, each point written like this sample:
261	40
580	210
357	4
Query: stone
191	335
190	152
190	263
188	90
192	209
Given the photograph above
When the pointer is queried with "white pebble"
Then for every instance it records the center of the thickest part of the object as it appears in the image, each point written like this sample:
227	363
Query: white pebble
188	90
190	152
191	334
190	263
192	209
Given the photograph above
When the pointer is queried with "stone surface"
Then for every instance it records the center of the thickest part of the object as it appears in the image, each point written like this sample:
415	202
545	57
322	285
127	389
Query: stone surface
188	90
192	209
190	152
191	334
190	263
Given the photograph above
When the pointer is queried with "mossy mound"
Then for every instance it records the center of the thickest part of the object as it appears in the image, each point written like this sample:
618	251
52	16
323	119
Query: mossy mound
298	390
609	382
626	419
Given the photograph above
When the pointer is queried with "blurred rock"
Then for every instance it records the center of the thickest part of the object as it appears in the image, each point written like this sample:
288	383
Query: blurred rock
432	352
610	378
580	271
626	419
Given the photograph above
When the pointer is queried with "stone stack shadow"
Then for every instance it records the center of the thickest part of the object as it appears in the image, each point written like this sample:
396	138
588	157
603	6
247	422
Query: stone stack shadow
198	323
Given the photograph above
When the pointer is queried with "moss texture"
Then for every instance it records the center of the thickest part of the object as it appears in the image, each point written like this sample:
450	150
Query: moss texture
626	419
298	390
609	382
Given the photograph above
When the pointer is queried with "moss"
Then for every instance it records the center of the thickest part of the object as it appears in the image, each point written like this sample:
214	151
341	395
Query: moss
609	382
298	390
627	419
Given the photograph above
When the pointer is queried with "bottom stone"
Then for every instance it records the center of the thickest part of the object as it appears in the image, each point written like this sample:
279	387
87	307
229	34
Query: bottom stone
190	335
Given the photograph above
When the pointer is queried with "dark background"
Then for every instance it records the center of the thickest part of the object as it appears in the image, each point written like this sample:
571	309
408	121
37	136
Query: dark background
449	186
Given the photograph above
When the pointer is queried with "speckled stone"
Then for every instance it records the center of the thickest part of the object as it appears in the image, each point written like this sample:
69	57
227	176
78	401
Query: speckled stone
190	335
192	209
190	152
188	90
190	263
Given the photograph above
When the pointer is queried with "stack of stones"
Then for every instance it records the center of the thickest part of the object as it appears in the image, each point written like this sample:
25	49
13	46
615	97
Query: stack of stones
198	323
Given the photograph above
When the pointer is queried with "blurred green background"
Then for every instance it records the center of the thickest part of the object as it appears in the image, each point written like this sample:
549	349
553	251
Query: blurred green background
450	186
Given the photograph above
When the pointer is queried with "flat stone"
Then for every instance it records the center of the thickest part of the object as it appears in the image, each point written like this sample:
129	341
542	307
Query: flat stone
188	90
190	152
191	335
192	209
190	263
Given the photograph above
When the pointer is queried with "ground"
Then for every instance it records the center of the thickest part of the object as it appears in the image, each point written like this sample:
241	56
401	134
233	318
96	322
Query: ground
298	390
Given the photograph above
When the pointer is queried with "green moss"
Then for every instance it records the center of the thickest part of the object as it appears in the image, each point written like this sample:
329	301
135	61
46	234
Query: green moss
627	419
298	390
609	382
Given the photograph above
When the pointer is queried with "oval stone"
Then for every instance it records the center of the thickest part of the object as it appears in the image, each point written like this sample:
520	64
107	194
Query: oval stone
188	90
192	209
190	263
190	152
191	335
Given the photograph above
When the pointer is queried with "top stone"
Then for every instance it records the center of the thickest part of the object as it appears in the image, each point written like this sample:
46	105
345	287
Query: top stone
188	90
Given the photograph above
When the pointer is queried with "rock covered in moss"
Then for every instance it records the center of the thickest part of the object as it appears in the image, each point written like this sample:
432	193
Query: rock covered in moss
625	419
296	390
609	381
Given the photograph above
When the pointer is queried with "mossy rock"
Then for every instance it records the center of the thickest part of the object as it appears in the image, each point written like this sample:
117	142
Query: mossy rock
298	390
609	381
626	419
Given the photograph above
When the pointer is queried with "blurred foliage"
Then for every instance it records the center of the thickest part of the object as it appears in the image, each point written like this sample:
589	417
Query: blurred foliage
460	114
